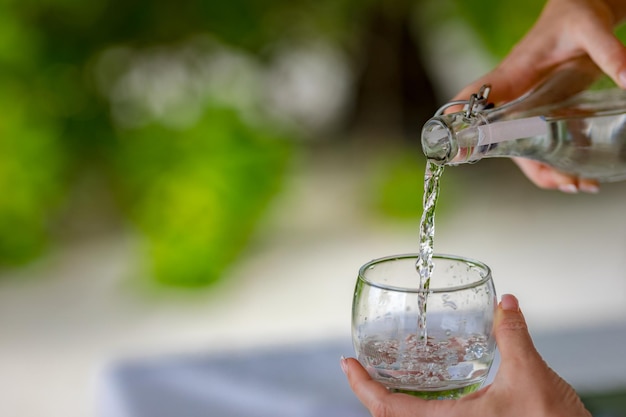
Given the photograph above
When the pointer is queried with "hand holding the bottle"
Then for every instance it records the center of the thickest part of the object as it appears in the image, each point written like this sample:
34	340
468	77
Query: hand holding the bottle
524	385
577	32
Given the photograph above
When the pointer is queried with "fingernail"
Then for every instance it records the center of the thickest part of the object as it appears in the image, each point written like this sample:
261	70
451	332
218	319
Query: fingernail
622	78
344	365
509	302
589	188
568	188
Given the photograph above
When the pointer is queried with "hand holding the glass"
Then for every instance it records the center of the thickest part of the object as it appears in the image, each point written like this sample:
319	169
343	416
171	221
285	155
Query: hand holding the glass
524	385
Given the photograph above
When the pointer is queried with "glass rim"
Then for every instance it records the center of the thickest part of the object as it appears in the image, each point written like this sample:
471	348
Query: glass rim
487	276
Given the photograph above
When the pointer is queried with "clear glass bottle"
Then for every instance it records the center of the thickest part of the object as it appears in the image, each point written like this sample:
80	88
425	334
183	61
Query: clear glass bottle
584	134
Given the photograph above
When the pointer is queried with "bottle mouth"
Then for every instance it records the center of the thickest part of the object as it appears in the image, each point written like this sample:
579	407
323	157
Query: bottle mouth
437	141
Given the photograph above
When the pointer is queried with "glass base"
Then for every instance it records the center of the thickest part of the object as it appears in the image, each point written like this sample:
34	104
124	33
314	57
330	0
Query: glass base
449	394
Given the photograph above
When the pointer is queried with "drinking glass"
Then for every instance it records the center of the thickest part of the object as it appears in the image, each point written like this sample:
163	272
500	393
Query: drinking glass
450	354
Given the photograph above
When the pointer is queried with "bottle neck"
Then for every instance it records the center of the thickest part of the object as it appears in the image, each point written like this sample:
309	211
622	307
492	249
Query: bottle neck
455	138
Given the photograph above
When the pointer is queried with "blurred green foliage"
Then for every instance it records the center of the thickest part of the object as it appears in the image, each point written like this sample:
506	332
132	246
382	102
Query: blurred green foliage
499	24
197	196
31	165
610	404
194	192
118	86
398	186
31	154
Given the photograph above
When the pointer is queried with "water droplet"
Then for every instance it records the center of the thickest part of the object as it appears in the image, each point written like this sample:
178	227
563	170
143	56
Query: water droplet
447	302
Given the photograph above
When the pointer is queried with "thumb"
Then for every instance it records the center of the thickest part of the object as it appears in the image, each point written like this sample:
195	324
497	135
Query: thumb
508	81
502	90
511	78
511	331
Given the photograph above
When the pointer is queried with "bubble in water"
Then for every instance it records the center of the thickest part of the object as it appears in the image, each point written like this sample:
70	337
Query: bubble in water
433	379
451	358
375	360
474	351
460	371
447	302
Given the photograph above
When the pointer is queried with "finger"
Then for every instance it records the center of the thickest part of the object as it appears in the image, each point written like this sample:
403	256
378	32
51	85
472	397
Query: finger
610	55
369	392
546	177
378	400
604	48
514	341
549	178
588	186
498	79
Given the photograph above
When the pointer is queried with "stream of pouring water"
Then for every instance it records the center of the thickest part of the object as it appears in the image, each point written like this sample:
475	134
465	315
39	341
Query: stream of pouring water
424	264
